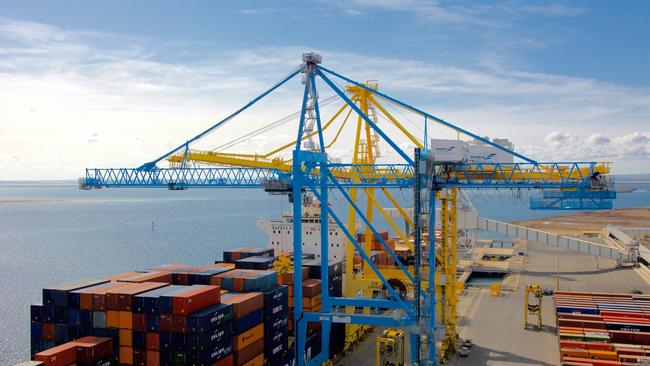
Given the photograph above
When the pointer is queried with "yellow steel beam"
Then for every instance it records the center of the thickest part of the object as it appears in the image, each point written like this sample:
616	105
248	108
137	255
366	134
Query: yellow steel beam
396	123
392	199
391	222
345	121
325	126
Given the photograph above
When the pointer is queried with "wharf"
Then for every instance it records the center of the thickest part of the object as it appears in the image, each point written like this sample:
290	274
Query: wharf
495	324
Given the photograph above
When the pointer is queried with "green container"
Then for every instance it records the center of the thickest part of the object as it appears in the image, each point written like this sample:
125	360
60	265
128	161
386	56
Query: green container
179	359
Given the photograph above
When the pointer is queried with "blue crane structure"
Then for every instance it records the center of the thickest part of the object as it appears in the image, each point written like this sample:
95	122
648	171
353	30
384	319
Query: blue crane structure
566	185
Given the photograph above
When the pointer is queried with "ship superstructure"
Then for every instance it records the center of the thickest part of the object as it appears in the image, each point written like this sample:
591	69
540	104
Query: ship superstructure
279	232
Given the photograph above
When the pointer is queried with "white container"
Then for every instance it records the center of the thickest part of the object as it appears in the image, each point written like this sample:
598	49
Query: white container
488	154
449	151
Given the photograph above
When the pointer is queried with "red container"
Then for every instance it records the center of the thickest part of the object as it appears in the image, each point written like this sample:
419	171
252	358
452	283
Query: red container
49	331
179	323
165	324
91	349
193	300
226	361
153	358
153	341
139	322
99	295
62	355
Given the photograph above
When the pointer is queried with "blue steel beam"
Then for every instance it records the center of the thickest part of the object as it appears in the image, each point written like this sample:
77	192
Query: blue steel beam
152	163
439	120
372	228
365	118
363	254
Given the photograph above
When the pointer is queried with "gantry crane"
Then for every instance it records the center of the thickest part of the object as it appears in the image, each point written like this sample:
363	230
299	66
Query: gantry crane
567	185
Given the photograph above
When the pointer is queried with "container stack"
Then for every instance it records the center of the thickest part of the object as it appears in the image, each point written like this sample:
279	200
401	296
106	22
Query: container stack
603	328
148	323
248	335
84	351
230	313
276	325
233	255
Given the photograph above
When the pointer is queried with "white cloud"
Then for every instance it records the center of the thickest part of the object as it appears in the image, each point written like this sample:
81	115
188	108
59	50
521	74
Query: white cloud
109	100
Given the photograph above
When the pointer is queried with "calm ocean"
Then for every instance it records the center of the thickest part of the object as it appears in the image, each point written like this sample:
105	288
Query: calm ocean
53	233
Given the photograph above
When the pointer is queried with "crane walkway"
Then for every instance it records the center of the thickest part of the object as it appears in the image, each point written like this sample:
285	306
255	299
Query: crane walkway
575	244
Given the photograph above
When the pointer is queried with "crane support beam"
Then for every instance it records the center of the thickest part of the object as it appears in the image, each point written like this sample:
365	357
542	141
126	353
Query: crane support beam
439	120
152	163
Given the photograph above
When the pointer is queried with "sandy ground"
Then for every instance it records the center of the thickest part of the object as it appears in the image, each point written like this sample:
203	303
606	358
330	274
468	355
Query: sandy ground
591	221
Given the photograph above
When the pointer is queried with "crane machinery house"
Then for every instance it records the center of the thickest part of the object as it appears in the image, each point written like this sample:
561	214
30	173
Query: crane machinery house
475	151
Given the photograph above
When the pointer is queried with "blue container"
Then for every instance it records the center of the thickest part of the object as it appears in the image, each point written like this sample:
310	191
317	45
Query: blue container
273	325
153	323
74	332
165	301
212	355
86	319
61	333
36	330
36	346
165	343
165	357
334	269
276	300
36	313
48	314
204	277
312	346
60	315
274	348
199	342
140	340
248	321
255	262
47	344
99	319
261	282
277	339
74	317
209	318
58	295
147	302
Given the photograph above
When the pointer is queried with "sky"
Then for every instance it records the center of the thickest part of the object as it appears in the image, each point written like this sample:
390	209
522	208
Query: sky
118	83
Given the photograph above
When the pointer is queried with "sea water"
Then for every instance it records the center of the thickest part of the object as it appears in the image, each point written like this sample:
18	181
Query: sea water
53	233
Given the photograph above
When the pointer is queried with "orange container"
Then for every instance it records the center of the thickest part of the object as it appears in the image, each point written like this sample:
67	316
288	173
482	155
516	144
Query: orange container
243	304
62	355
193	300
125	319
249	337
310	302
126	356
112	319
256	361
126	338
